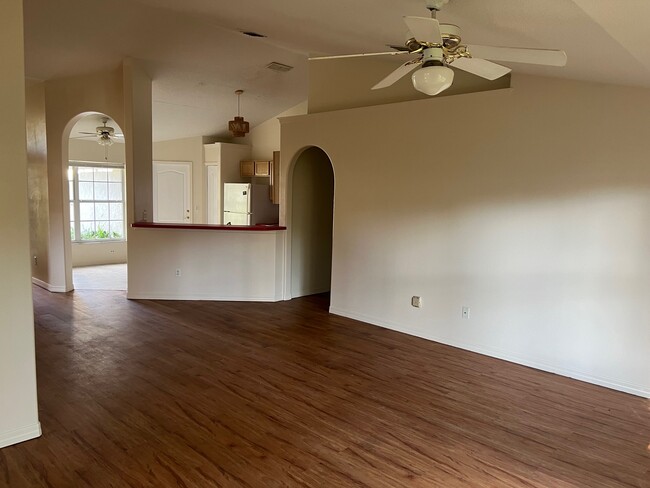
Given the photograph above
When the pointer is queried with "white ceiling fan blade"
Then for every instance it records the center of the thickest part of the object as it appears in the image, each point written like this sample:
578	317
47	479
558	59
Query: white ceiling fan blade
389	53
424	29
400	72
481	67
548	57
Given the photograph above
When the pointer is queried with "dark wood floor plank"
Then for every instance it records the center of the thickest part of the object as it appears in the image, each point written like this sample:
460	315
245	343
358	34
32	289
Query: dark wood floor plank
204	394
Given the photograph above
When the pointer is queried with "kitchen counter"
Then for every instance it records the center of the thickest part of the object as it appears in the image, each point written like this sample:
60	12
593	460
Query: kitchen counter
259	227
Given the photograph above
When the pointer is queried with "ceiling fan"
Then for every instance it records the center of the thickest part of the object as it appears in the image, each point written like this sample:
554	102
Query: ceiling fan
438	46
105	134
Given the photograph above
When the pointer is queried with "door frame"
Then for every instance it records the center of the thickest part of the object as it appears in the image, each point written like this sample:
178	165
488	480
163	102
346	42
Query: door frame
212	187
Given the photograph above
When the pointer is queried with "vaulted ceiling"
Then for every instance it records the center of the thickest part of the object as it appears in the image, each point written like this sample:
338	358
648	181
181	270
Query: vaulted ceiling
197	56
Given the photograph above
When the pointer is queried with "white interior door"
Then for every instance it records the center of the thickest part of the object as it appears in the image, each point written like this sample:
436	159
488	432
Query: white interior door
214	194
172	192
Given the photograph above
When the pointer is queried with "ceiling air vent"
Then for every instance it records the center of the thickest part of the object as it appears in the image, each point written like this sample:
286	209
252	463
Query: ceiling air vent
279	67
252	34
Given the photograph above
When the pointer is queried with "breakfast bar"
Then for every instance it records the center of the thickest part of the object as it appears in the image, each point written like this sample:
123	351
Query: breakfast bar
206	262
157	225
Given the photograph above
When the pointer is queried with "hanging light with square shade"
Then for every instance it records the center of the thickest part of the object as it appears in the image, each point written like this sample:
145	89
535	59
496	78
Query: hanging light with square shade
238	126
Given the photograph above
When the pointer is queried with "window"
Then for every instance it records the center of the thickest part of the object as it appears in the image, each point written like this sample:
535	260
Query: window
96	201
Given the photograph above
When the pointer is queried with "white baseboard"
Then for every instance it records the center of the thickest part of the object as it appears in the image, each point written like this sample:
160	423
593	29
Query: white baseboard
20	435
48	287
486	351
197	296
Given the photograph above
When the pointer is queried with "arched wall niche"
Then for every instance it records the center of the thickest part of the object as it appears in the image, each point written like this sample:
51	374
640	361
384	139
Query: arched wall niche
310	218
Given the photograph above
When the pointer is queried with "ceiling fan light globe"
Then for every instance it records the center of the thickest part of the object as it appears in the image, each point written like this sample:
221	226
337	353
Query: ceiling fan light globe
433	80
105	140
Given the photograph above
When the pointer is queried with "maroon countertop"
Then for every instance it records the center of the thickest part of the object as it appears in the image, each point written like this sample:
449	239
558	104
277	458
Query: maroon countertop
154	225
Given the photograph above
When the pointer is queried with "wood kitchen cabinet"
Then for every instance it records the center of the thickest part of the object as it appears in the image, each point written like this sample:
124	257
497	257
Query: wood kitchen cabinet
255	168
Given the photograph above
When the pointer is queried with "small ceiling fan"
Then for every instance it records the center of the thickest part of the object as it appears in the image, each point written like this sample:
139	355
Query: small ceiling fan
438	46
105	134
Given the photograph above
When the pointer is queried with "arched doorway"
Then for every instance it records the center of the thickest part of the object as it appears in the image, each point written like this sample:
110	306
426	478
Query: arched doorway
96	183
311	222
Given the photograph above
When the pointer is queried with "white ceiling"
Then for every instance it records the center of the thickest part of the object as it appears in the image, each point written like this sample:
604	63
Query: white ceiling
197	56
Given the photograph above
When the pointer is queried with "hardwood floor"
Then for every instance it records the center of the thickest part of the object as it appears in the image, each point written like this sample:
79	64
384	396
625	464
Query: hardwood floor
204	394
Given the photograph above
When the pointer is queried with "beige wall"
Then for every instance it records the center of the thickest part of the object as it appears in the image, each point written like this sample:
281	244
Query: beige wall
37	181
123	94
192	149
18	406
265	137
227	156
66	100
312	198
188	149
138	137
89	150
533	213
97	253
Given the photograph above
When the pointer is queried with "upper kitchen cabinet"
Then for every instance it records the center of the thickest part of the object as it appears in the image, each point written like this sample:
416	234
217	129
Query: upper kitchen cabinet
250	168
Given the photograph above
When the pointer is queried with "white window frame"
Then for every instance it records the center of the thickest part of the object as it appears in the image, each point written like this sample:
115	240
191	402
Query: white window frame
74	199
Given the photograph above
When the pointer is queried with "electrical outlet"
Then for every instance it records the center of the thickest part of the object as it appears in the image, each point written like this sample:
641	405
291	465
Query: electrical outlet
416	302
178	272
465	312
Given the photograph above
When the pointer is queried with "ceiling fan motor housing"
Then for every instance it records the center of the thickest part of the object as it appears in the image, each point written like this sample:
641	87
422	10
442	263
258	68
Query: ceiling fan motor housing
432	56
434	77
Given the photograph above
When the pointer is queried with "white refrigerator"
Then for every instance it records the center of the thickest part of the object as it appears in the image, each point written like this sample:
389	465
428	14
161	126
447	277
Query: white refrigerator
248	204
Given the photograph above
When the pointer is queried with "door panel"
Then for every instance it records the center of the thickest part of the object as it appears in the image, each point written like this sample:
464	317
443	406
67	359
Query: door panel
172	192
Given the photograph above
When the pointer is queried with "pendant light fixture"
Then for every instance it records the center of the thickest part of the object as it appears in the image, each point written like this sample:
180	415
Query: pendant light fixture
238	126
